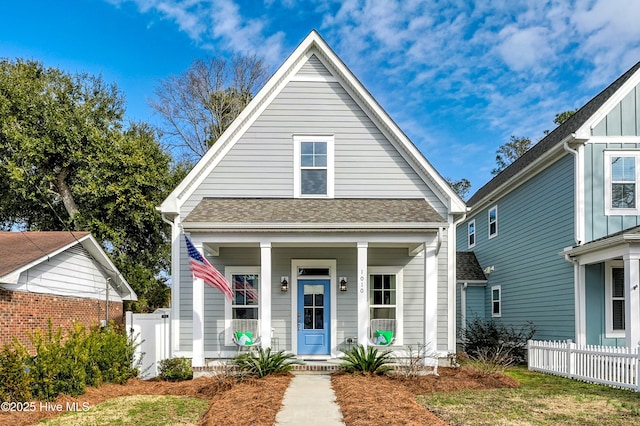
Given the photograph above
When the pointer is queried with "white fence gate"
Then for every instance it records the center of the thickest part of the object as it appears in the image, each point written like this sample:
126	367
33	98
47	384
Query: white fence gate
608	365
152	333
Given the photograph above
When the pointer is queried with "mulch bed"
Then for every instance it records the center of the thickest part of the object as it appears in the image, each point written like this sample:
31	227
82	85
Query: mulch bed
363	399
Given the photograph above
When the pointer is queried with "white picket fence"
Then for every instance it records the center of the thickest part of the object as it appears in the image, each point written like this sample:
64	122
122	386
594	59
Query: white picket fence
608	365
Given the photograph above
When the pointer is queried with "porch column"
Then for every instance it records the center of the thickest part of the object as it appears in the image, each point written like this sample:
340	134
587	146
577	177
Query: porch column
363	293
197	359
265	294
632	299
430	297
580	304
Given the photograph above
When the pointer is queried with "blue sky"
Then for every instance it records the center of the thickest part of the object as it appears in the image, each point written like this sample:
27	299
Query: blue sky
458	77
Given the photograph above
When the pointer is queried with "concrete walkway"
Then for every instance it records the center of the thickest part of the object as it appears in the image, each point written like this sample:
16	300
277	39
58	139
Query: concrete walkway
309	401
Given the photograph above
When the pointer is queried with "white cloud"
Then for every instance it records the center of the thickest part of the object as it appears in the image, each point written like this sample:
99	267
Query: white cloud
524	49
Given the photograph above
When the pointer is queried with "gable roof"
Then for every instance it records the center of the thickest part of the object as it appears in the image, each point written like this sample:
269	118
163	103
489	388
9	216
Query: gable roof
291	212
313	44
556	138
20	251
468	268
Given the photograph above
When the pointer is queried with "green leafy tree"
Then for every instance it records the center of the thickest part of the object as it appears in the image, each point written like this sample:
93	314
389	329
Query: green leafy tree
197	106
510	152
68	163
461	187
564	116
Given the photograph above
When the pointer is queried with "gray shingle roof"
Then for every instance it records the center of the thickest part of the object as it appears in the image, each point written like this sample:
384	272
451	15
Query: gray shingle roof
553	138
313	211
468	268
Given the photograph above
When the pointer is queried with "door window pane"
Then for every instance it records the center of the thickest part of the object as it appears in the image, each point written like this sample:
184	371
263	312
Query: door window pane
314	307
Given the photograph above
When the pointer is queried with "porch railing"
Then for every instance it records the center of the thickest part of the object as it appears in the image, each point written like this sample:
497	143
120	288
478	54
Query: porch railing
608	365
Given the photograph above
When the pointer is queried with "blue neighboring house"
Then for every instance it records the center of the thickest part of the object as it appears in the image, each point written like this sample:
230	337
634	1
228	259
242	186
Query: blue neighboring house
556	234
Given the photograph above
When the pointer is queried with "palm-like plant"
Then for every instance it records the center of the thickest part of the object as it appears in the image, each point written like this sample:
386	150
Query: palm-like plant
262	362
368	360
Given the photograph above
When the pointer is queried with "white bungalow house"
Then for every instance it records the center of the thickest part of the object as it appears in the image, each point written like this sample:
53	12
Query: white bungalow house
322	215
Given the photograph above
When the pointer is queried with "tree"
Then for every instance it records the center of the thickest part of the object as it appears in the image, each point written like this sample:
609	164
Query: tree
461	187
67	163
198	105
510	152
564	116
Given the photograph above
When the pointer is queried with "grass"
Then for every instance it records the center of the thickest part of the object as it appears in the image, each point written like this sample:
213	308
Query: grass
540	400
140	410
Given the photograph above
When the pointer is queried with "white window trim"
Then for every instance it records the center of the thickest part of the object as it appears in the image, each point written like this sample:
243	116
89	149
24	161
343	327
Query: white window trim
499	288
229	271
608	304
398	272
330	141
489	222
471	222
608	210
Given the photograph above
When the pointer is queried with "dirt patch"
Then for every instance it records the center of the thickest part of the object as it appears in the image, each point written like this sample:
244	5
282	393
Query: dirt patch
380	400
364	400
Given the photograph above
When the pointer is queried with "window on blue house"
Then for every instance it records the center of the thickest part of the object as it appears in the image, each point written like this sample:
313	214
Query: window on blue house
493	221
621	178
615	309
471	233
496	301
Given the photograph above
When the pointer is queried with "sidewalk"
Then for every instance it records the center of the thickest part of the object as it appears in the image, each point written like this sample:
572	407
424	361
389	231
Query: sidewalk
309	400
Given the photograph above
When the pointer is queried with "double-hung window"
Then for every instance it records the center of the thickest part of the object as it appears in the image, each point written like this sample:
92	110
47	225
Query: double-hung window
471	233
493	221
385	295
615	309
313	164
496	301
621	177
245	285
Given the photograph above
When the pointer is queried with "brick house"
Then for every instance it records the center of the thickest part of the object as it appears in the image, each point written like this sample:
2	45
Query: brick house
61	276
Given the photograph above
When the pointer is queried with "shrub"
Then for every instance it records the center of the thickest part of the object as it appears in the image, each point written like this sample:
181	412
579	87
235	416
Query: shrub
489	361
480	335
175	369
111	353
262	362
15	381
412	364
367	360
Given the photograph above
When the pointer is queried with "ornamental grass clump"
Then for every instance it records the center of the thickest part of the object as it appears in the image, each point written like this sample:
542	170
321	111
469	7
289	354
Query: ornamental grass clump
262	362
369	360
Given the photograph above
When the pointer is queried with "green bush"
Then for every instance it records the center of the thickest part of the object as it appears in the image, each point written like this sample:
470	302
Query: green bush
15	381
175	369
367	360
66	364
262	362
488	337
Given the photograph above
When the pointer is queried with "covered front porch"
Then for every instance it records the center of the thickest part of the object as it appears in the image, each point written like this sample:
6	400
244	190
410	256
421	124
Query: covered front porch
607	277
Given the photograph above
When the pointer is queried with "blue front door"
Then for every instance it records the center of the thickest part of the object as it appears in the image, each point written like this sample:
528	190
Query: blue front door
313	317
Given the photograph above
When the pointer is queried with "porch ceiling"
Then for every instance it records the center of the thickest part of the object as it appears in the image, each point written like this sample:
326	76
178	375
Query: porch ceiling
296	213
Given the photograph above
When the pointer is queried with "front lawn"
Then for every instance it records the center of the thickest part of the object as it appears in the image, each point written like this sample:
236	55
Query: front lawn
541	399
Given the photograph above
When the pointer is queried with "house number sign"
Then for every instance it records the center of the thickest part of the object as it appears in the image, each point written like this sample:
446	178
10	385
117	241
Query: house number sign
361	281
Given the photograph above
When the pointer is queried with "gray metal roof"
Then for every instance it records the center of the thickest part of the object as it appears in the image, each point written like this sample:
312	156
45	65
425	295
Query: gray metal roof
552	139
468	268
313	211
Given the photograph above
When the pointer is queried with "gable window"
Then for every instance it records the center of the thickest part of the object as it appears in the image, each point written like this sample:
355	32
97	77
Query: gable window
496	301
493	221
245	284
313	163
471	233
615	309
621	177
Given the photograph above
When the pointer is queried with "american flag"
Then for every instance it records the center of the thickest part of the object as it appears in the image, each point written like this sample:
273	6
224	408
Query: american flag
201	268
